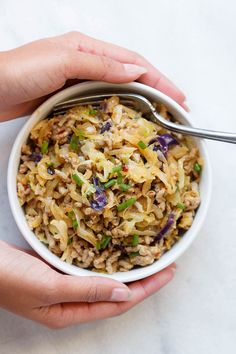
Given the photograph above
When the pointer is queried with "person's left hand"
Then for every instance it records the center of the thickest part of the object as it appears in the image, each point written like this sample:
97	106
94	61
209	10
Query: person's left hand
35	70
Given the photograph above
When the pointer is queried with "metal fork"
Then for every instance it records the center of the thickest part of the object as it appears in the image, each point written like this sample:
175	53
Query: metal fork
142	104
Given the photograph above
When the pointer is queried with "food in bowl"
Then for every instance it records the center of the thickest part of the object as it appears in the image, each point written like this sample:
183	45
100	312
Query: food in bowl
106	189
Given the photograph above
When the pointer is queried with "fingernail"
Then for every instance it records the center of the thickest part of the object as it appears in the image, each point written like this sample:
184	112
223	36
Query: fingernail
133	69
119	294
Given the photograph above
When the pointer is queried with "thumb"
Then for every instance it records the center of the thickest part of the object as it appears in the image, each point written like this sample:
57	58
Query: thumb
81	65
87	289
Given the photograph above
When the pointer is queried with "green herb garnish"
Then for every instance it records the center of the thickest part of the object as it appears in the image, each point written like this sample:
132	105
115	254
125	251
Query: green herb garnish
75	224
93	112
135	240
126	204
90	190
181	206
74	142
120	178
77	179
197	168
103	243
134	254
79	133
50	164
142	145
69	241
124	187
117	169
44	147
110	183
72	217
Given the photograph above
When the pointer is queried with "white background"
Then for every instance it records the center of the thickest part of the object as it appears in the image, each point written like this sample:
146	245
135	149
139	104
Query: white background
193	42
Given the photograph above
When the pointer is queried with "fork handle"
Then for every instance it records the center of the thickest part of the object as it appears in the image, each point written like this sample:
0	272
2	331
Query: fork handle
200	133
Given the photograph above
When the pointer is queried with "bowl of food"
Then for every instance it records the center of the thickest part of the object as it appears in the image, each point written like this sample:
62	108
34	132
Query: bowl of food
106	191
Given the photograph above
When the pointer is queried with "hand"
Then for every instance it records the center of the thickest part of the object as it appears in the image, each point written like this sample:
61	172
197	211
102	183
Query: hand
33	71
32	289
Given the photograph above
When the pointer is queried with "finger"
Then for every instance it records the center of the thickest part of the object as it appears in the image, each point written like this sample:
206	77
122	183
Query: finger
95	67
62	315
153	77
87	289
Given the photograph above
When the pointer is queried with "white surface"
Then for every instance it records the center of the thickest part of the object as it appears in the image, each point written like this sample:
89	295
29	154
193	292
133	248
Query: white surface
193	42
88	88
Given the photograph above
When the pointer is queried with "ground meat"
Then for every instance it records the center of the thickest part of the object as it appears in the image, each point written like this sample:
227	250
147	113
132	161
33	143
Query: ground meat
60	134
111	262
110	239
191	200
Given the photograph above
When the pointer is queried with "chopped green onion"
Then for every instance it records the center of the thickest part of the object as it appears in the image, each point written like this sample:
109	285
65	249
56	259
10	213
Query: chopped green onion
93	112
71	216
124	187
75	224
110	183
134	254
44	147
50	164
135	240
69	241
142	145
90	189
74	142
197	167
77	179
181	206
117	169
79	133
103	243
126	204
120	178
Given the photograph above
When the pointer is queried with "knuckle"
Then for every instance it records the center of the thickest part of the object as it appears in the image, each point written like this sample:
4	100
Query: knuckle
73	35
108	65
69	60
93	294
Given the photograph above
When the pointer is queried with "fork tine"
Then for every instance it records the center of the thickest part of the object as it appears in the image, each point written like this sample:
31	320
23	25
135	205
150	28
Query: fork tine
94	100
63	110
78	103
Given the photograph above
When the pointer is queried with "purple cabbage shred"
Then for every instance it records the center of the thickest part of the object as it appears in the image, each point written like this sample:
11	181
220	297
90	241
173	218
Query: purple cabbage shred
106	127
100	199
97	185
166	228
165	141
51	171
35	156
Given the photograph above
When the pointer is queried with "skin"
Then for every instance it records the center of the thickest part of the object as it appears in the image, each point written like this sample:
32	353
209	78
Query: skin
29	74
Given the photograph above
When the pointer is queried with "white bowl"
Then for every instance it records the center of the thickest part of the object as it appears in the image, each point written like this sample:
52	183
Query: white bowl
101	87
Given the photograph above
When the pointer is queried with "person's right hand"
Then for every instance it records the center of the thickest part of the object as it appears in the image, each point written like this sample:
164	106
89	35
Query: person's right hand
32	289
